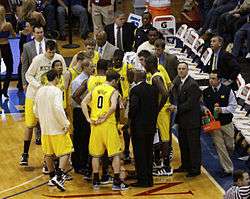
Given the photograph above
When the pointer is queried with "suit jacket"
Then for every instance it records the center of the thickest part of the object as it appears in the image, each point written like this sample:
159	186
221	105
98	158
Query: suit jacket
227	65
128	38
188	103
143	106
108	51
170	63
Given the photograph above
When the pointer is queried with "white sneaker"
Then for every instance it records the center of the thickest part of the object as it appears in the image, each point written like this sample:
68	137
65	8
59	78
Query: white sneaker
50	183
58	183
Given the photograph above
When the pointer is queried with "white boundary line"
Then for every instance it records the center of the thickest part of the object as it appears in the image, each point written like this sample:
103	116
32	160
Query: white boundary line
206	172
20	185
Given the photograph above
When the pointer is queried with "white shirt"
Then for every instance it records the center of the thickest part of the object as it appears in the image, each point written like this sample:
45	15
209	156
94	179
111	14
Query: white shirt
101	49
37	46
115	34
146	46
184	79
48	107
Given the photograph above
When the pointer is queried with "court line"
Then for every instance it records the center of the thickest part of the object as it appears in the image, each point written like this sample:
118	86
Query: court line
20	185
207	173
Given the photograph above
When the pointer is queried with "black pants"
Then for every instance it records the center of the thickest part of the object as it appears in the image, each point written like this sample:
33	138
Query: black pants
8	60
81	134
190	148
143	153
126	138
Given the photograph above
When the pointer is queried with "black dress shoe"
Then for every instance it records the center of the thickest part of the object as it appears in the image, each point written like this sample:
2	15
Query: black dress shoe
193	174
180	170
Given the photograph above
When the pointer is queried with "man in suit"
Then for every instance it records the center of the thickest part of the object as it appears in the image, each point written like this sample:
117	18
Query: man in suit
121	33
143	106
187	93
170	62
224	62
32	49
106	50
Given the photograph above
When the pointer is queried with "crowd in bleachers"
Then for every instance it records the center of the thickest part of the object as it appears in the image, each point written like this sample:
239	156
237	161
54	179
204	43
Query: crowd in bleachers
130	55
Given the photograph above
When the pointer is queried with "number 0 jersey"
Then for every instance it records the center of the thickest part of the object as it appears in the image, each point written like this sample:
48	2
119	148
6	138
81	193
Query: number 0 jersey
100	103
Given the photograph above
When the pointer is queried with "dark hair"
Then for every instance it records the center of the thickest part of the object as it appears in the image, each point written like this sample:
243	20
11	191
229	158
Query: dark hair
56	61
118	53
102	64
144	53
112	75
238	175
152	61
159	43
50	44
34	24
182	62
216	72
80	56
221	40
51	75
152	29
147	13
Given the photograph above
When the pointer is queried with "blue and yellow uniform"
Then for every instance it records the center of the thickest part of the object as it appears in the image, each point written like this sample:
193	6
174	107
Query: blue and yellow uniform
105	135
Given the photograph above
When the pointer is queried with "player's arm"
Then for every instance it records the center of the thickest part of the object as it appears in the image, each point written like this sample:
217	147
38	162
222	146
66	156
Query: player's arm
112	108
31	73
67	77
79	93
158	82
84	106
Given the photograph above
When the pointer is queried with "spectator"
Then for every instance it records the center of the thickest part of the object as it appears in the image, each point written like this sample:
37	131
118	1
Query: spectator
121	33
102	12
77	10
241	187
221	100
141	32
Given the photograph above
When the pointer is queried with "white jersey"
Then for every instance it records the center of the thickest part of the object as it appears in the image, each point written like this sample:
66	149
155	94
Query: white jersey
48	107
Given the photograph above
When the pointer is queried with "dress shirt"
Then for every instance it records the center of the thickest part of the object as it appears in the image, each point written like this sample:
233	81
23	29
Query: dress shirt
101	49
215	60
76	83
232	103
115	33
37	43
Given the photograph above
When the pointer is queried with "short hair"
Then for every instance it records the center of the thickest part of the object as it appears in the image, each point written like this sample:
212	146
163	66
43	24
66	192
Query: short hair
112	75
80	56
183	62
147	13
51	75
216	72
152	29
35	25
102	64
90	42
119	53
144	53
159	43
50	44
56	61
221	40
152	61
238	175
119	13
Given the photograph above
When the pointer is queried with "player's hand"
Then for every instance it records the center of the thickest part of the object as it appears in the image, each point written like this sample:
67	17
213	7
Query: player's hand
172	108
101	119
218	109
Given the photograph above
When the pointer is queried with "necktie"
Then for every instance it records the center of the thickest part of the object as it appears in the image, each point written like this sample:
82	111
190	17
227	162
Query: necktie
214	65
119	38
100	50
215	90
40	48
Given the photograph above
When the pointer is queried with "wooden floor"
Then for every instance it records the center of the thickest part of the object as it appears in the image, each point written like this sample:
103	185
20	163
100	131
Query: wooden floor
15	179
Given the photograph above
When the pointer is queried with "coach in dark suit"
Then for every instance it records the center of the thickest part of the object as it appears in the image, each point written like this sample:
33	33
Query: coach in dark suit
121	33
187	94
224	62
143	103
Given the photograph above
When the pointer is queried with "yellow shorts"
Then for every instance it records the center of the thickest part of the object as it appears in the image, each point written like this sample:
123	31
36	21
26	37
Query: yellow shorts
30	118
102	137
163	123
57	144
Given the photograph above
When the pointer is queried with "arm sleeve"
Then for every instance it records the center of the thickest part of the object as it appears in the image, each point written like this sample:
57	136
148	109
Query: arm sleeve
25	65
232	104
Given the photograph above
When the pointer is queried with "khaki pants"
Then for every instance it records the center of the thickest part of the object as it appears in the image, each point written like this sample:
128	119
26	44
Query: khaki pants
224	144
102	15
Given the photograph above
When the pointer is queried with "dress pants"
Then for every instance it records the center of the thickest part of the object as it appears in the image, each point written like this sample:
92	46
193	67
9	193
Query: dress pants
190	148
81	134
224	144
143	153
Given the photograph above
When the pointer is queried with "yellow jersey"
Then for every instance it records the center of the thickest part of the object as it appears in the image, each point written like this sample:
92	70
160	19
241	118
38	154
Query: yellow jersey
124	79
163	72
100	103
74	73
95	80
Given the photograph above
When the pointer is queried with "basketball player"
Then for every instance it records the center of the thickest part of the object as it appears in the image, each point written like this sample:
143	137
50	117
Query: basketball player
35	76
54	126
163	119
104	133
